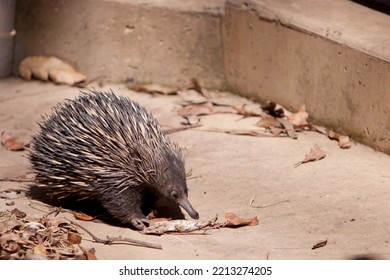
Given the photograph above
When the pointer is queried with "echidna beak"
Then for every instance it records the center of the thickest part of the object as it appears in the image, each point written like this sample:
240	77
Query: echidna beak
188	207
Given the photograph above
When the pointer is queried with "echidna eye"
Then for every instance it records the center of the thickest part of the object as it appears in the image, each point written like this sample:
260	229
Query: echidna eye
174	195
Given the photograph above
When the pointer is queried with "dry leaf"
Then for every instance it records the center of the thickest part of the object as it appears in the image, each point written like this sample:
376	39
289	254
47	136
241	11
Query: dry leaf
19	214
49	68
8	243
40	250
205	108
10	203
11	194
82	216
299	118
191	120
268	121
154	89
315	154
232	220
10	142
319	244
276	131
248	111
289	127
273	109
91	255
74	238
344	141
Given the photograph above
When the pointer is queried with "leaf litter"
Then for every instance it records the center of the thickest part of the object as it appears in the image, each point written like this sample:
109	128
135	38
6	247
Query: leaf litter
47	238
276	120
315	154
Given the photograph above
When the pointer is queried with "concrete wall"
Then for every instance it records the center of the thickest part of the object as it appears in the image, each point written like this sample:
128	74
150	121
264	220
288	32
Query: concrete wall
7	15
342	88
149	41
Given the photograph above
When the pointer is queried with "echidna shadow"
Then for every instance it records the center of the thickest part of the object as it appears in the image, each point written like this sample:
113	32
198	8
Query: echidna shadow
105	154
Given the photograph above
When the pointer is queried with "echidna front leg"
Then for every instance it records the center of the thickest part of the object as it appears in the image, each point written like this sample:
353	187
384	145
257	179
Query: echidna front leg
126	207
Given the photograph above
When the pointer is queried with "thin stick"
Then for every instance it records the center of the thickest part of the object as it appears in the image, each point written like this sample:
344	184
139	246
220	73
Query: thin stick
177	129
265	205
111	240
6	179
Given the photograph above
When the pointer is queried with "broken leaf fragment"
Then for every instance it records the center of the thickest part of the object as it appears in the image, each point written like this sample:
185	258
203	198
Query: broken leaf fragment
299	118
315	154
82	216
74	238
205	108
232	220
273	109
11	142
319	244
344	141
154	89
40	250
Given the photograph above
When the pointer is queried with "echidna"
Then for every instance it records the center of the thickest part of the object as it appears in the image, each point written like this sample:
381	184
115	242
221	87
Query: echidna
108	148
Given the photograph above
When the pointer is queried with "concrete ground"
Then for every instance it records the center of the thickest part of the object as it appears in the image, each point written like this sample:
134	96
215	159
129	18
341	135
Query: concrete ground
343	198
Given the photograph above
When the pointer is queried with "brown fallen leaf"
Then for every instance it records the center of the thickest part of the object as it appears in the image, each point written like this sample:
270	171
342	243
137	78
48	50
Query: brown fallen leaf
276	131
40	250
344	141
154	89
205	108
273	109
289	127
11	142
299	118
248	111
19	214
8	243
191	120
91	255
319	244
195	85
315	154
232	220
268	121
82	216
10	203
49	68
74	238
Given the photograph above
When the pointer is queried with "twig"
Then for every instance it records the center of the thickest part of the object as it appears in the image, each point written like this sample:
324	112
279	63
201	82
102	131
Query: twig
243	132
111	240
177	129
6	179
265	205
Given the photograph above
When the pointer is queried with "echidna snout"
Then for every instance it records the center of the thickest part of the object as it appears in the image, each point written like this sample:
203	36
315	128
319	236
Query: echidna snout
188	207
108	148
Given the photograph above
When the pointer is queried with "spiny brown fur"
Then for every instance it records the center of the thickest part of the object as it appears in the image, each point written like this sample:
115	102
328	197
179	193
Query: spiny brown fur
108	148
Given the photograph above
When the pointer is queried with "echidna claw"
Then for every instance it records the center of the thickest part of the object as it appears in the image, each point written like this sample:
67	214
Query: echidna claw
140	223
